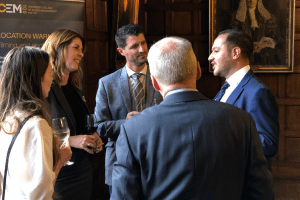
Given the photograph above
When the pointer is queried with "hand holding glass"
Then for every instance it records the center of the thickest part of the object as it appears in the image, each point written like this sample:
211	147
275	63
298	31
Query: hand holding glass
89	123
61	130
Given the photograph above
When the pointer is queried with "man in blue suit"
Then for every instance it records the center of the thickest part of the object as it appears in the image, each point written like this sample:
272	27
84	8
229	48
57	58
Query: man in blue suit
230	59
188	147
115	99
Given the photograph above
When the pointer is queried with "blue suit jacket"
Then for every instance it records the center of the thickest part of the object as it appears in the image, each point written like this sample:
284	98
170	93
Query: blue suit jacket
189	147
253	96
113	103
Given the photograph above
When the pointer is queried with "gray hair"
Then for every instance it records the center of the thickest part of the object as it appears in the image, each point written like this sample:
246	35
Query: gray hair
172	60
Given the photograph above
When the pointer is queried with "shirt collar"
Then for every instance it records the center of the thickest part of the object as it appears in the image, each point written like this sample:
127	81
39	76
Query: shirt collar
130	72
180	90
236	78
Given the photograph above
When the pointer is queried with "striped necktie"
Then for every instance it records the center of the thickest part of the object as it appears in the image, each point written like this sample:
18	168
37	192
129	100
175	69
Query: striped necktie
220	94
138	91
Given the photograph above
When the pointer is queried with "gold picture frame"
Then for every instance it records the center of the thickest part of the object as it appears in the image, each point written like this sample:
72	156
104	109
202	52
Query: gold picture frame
273	35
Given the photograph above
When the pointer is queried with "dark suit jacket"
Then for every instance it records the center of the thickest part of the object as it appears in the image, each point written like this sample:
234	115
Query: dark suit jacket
253	96
60	107
189	147
113	103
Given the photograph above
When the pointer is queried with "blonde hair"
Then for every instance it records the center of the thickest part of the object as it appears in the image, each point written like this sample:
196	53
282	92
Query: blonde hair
56	46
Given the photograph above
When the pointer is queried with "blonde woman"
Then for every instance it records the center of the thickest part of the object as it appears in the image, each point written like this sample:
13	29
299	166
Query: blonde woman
65	48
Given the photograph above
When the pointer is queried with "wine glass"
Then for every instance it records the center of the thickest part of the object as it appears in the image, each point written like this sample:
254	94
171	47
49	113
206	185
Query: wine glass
89	123
61	130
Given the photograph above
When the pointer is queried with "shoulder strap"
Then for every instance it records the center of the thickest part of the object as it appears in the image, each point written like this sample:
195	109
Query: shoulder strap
8	153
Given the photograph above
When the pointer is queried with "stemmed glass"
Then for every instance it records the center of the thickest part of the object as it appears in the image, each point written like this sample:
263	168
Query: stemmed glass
61	130
89	123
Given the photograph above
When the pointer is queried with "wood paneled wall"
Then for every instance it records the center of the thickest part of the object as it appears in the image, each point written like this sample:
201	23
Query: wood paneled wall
97	29
286	88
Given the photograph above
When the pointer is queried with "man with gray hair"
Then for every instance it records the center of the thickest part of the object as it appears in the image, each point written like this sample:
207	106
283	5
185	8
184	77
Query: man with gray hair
188	147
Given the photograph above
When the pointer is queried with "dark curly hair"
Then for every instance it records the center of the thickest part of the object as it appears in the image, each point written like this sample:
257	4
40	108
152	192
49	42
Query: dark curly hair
125	31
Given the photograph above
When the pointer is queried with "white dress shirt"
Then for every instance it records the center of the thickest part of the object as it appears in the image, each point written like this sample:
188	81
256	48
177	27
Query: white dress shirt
233	81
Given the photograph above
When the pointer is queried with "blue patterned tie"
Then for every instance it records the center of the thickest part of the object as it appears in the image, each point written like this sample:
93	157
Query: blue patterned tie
219	96
138	92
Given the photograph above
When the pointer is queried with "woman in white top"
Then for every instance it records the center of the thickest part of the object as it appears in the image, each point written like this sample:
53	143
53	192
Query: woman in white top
35	159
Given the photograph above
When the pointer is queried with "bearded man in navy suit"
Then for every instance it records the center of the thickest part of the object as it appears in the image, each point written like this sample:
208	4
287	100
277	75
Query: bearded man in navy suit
230	56
115	99
188	147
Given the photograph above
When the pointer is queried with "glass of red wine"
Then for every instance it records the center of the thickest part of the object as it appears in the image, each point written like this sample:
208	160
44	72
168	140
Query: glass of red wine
91	129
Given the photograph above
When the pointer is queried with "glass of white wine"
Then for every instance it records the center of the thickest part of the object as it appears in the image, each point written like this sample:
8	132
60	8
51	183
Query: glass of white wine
61	130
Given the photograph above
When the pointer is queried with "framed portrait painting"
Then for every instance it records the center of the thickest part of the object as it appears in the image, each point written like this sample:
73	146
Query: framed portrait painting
269	23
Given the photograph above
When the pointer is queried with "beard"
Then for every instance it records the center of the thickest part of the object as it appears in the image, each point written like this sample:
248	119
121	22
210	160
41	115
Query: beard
138	61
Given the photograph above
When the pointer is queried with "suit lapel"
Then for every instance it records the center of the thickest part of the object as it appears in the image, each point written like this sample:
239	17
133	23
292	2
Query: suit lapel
124	87
64	103
240	88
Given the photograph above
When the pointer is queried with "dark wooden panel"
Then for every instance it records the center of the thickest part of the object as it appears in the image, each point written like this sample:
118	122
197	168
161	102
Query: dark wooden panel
96	59
182	23
101	15
203	54
292	118
292	149
296	54
103	57
204	24
90	21
286	189
154	1
287	170
96	14
155	23
183	1
291	134
293	86
281	86
90	57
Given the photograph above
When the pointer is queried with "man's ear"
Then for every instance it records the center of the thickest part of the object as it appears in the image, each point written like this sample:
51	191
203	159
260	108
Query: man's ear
199	72
236	52
154	83
120	51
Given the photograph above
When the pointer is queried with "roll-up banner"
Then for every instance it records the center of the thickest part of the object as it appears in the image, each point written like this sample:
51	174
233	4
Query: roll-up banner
30	22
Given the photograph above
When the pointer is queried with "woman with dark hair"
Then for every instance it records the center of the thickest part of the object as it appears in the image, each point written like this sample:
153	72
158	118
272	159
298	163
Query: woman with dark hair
65	48
34	162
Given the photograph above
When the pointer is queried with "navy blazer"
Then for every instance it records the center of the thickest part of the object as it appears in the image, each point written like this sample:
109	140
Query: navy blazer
189	147
253	96
113	103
